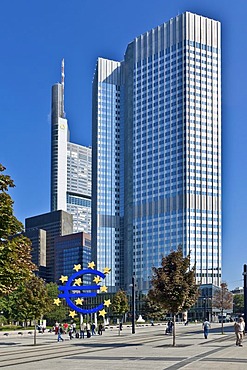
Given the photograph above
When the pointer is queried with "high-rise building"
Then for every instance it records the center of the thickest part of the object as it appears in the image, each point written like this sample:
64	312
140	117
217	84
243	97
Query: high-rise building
70	250
70	167
106	169
42	230
157	125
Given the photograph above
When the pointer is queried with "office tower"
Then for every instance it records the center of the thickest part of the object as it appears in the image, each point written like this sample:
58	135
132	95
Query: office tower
169	135
70	250
106	171
38	251
42	231
79	182
70	166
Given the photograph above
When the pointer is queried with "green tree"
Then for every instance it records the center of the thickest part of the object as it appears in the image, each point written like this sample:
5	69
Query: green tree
120	305
238	301
56	313
15	249
222	299
152	309
30	300
174	285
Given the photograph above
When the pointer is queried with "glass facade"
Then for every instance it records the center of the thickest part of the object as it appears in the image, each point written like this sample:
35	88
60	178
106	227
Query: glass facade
72	250
106	173
79	173
171	145
71	167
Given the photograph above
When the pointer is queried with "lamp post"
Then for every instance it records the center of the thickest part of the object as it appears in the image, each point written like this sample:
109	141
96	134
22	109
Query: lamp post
204	305
209	309
133	304
245	292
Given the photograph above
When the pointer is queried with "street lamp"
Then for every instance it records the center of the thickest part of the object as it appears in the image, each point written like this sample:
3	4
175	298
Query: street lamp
245	292
133	304
204	305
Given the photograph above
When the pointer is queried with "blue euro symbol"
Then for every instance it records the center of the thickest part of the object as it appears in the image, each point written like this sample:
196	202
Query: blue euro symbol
69	291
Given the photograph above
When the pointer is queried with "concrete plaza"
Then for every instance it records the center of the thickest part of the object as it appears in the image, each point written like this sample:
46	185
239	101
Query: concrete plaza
148	348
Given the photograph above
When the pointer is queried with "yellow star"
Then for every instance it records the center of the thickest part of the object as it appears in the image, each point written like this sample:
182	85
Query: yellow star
56	301
102	312
78	281
91	265
103	289
63	278
72	314
77	267
79	301
97	279
107	303
106	270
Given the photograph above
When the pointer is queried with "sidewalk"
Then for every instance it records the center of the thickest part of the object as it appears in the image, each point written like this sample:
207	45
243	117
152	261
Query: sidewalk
148	349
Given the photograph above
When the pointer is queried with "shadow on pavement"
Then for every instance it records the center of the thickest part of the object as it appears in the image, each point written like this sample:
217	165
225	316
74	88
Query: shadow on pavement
227	330
7	344
107	345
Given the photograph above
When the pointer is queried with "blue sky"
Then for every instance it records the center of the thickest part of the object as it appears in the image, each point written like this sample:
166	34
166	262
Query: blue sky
36	35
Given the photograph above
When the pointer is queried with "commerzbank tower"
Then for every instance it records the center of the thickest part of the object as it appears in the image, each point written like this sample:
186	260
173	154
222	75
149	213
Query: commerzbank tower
157	152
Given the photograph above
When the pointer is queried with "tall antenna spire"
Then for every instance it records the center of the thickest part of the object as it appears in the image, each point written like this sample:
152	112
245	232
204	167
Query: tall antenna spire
62	83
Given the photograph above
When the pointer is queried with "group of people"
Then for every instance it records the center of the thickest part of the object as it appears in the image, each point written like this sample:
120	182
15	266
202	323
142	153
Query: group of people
239	328
86	329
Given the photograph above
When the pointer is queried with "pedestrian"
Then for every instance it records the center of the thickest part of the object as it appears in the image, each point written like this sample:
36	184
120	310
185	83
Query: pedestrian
71	332
59	334
82	330
88	326
169	327
93	329
100	329
239	331
206	325
56	327
121	326
65	327
74	327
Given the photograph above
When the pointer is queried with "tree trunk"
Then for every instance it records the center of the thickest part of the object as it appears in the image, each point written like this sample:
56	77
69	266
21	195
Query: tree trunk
222	324
174	331
35	333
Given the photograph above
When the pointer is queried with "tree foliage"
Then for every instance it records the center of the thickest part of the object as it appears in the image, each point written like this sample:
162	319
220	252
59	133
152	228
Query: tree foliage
15	249
174	285
238	300
152	309
55	313
29	301
222	299
120	303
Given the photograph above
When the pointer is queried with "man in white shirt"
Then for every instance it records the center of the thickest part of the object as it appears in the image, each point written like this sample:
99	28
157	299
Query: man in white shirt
239	331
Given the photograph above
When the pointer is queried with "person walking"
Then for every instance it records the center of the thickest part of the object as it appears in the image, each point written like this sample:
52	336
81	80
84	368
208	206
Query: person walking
100	329
56	327
71	332
59	334
88	326
206	325
239	328
82	330
74	327
93	327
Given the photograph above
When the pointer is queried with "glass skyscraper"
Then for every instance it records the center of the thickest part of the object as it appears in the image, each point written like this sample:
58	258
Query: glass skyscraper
71	167
106	169
165	115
